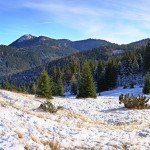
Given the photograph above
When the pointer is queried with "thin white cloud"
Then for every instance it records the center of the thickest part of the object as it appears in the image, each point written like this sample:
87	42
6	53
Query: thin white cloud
110	19
123	10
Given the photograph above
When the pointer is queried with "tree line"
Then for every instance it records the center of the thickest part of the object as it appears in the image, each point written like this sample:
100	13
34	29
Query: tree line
84	77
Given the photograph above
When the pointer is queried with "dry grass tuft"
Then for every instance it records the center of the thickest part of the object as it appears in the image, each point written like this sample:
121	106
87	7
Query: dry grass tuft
124	146
35	139
19	134
52	145
28	147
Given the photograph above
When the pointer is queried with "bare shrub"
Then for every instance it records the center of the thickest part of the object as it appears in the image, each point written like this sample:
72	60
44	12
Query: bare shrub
48	106
135	102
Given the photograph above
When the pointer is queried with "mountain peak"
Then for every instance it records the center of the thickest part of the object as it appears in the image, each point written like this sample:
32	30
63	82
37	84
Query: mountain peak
26	37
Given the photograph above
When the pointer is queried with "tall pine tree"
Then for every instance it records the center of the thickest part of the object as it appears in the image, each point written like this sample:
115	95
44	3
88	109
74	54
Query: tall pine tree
86	84
73	85
100	77
60	88
111	75
44	87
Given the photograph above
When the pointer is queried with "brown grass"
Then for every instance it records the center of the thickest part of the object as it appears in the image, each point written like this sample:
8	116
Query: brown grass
35	139
53	145
19	134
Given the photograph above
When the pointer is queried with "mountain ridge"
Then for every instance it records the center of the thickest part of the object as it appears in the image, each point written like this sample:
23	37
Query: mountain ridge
80	45
45	50
82	40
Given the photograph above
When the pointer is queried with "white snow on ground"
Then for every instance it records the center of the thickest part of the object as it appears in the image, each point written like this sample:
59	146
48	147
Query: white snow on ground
101	124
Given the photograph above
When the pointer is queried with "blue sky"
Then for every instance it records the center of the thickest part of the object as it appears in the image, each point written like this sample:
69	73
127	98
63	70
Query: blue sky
118	21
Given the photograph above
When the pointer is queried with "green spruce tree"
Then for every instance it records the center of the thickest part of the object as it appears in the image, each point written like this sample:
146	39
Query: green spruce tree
73	85
6	85
34	88
111	75
60	87
54	88
54	74
101	84
100	77
146	88
44	87
86	83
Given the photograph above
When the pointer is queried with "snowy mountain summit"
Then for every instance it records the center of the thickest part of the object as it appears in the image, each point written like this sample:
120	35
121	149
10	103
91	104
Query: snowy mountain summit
26	37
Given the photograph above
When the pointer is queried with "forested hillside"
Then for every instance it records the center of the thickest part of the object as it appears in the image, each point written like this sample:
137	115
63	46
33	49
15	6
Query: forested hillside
30	51
111	65
108	69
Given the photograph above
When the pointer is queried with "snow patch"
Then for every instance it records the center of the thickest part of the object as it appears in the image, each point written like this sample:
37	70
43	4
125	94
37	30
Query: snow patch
26	38
100	123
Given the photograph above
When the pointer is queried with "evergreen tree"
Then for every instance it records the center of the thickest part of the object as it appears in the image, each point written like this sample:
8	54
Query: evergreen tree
127	67
23	88
92	68
19	88
99	70
73	85
100	77
59	74
14	86
68	75
86	83
147	58
135	67
101	84
140	62
54	87
54	74
34	88
111	75
6	85
60	87
146	88
44	87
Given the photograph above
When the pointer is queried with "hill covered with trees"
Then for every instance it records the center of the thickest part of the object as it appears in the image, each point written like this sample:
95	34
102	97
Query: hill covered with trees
30	51
108	69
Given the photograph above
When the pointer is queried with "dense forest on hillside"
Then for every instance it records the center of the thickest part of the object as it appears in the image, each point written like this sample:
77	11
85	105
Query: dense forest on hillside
108	70
14	60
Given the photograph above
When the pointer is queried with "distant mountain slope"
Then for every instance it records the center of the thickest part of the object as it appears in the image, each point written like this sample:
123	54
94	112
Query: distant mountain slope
99	53
28	54
30	51
89	44
83	45
139	43
30	40
135	45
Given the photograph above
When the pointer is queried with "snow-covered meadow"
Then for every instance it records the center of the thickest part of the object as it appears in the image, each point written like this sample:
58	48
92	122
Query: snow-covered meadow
99	124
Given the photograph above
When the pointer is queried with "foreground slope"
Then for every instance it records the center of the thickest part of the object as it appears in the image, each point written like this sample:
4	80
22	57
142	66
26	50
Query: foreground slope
84	123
